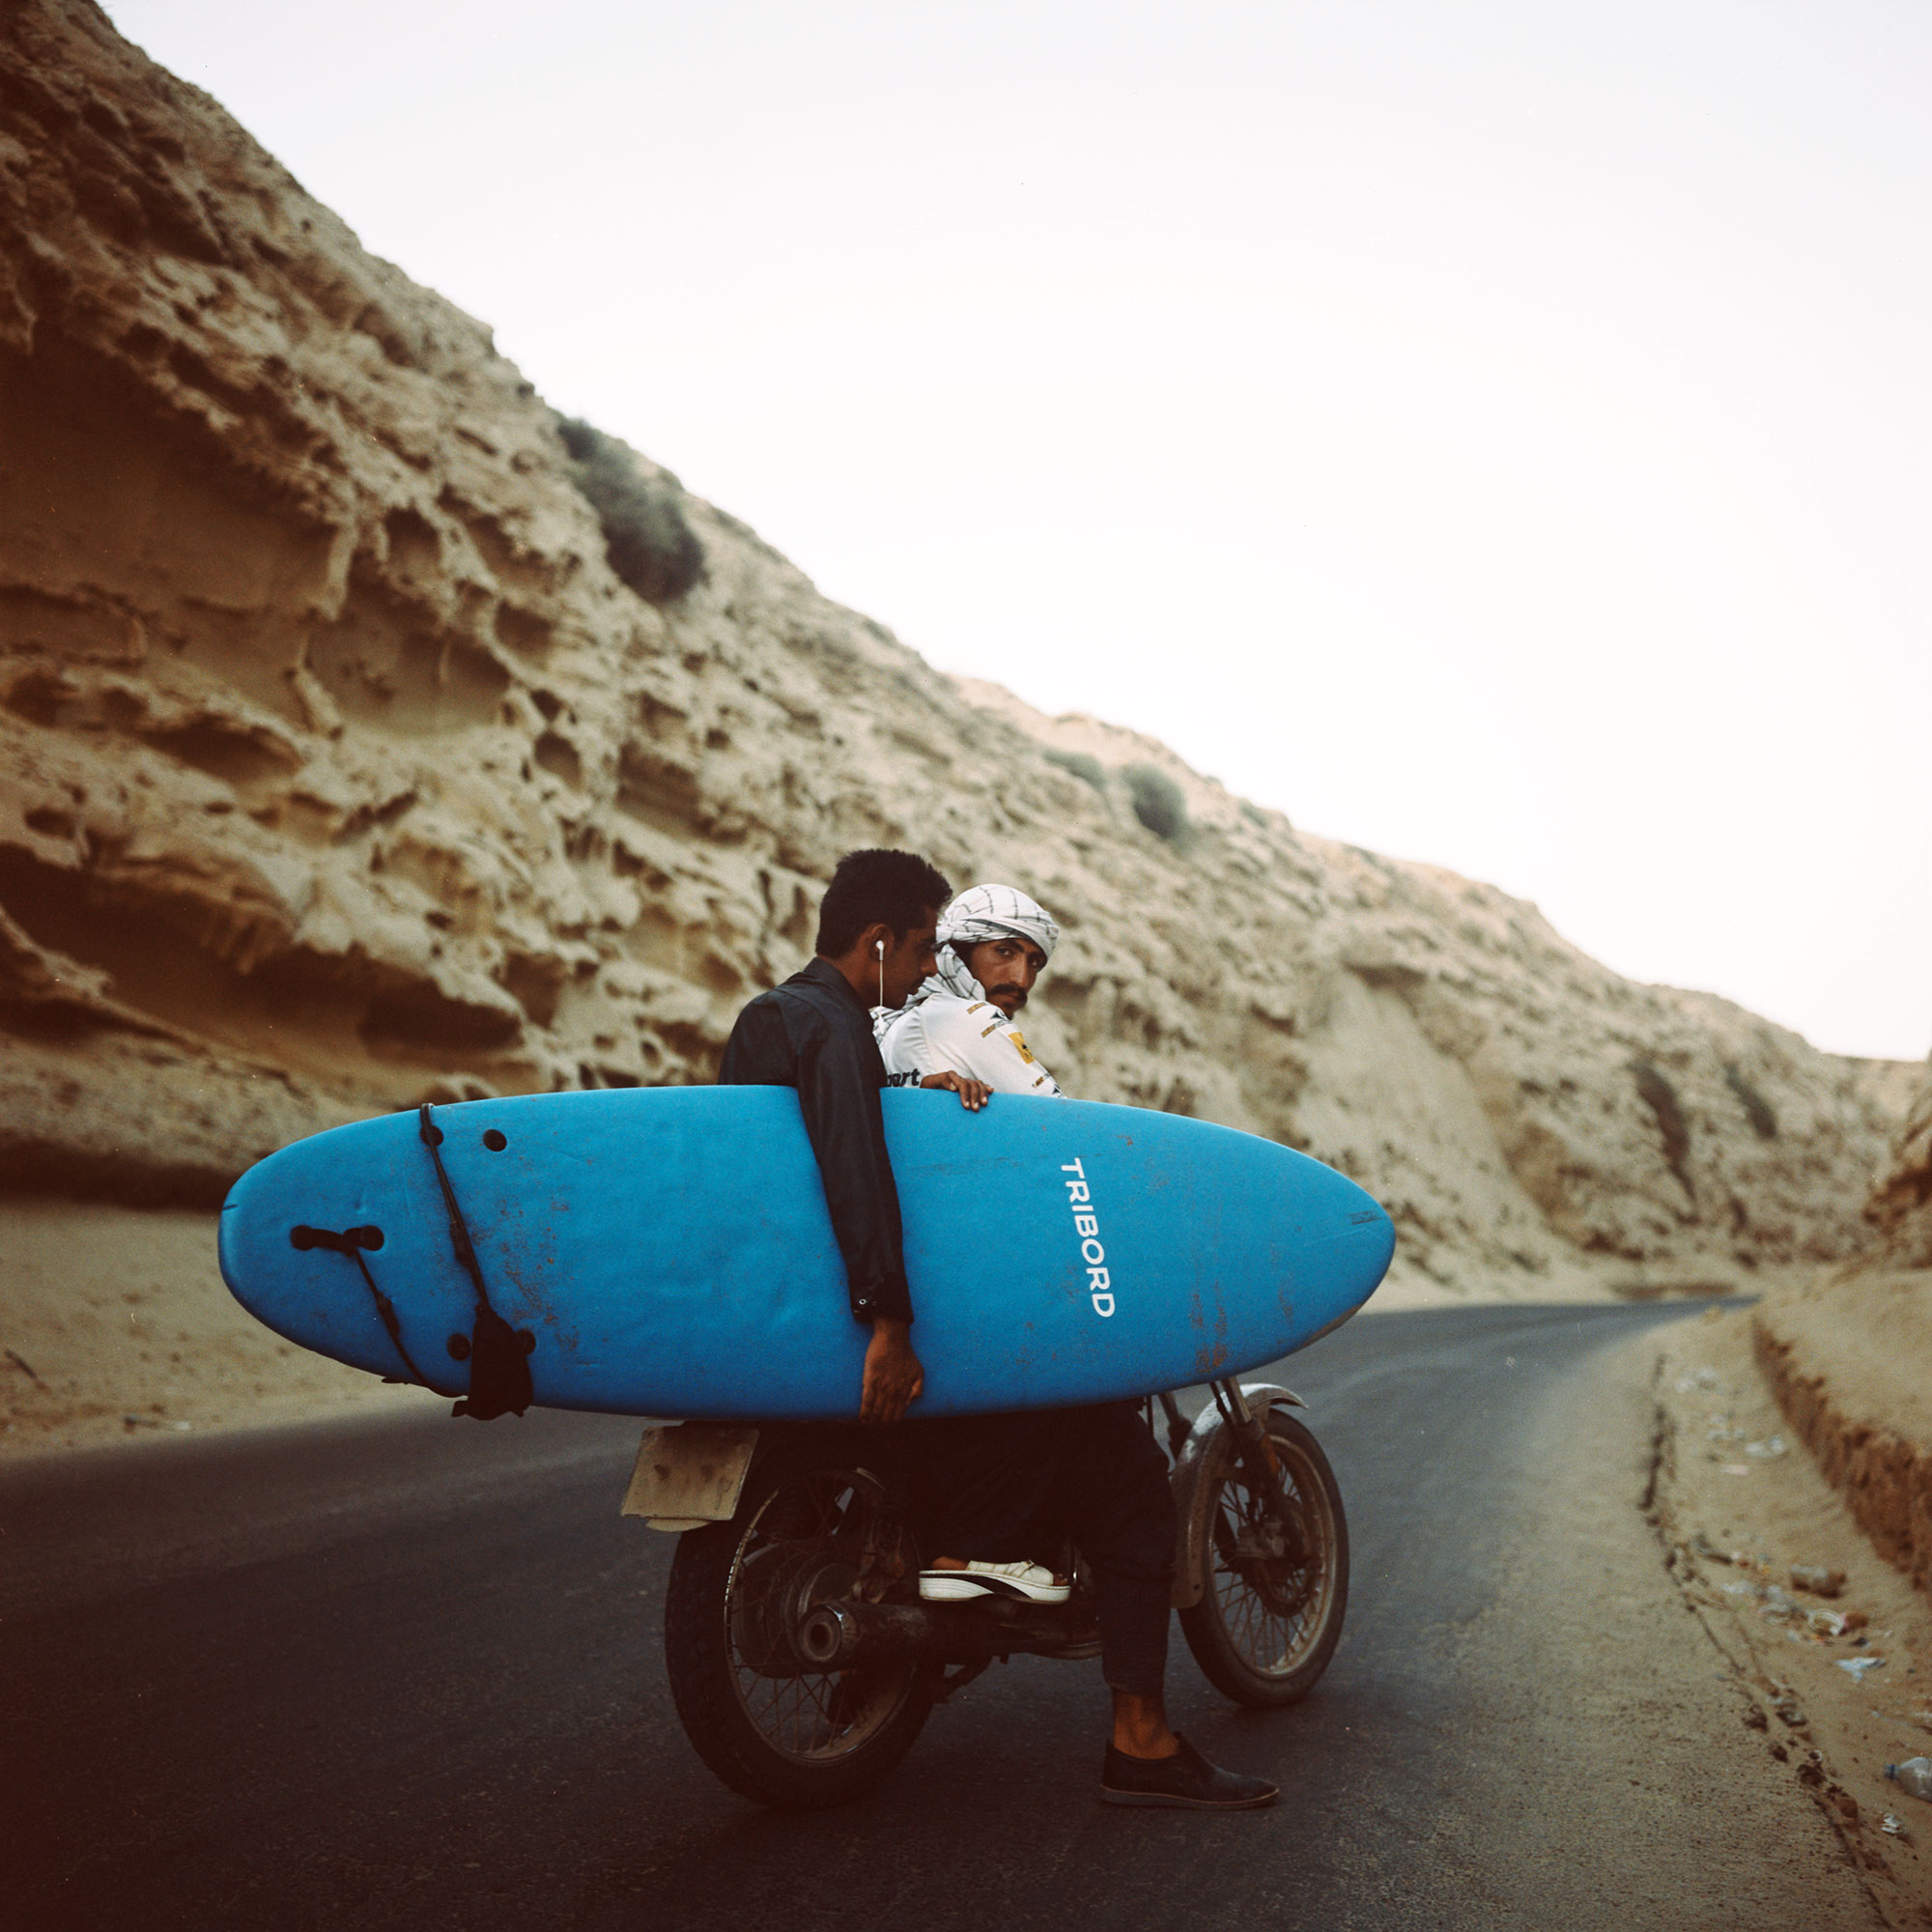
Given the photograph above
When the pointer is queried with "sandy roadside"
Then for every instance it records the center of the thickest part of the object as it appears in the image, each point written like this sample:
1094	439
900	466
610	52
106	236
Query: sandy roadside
1740	1504
1848	1357
116	1325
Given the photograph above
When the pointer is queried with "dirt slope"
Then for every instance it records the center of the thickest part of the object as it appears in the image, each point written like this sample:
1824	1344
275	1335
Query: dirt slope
1848	1353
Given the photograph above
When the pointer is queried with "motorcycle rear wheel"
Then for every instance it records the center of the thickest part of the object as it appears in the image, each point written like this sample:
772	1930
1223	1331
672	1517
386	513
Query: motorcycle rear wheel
1266	1625
772	1729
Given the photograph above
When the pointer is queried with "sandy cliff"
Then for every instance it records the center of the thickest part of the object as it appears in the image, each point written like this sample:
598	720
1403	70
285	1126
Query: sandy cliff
361	739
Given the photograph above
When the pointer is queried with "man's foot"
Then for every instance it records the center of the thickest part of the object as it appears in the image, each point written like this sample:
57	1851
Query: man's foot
1029	1583
1186	1780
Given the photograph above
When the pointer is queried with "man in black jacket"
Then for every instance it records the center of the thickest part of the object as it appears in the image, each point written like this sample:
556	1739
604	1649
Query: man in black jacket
1094	1473
814	1031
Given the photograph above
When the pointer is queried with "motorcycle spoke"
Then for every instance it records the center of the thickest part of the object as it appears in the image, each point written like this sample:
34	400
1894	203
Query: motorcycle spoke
1267	1638
803	1713
1250	1623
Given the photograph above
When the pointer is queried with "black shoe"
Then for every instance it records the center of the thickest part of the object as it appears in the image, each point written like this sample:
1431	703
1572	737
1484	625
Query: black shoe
1185	1779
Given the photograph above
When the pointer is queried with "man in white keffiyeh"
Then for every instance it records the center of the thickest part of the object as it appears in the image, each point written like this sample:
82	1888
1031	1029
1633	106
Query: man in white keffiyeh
994	942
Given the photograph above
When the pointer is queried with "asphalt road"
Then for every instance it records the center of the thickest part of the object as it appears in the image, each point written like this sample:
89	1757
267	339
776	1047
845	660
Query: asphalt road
408	1674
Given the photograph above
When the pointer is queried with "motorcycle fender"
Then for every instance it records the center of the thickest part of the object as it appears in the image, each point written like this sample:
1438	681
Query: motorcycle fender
690	1474
1202	1461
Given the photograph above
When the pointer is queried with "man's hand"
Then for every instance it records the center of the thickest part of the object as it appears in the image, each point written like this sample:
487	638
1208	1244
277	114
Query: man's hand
973	1094
894	1377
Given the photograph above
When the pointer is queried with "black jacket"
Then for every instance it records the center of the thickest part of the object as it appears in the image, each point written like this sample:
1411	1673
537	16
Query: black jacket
814	1033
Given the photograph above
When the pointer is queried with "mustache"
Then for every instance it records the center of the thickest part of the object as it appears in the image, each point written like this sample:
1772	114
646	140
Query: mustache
1019	992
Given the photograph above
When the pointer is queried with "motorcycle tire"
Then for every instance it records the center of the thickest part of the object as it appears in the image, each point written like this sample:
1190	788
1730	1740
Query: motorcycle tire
774	1730
1265	1625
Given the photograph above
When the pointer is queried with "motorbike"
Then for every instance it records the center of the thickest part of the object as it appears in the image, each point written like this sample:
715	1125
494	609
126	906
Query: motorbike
804	1664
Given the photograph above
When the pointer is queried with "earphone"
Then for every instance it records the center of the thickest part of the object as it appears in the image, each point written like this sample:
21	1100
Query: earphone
879	947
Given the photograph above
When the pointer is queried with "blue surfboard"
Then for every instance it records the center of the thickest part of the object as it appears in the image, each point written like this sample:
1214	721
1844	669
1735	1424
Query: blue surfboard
668	1251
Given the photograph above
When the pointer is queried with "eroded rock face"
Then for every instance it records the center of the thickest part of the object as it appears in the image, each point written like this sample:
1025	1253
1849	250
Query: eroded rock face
339	768
1900	1206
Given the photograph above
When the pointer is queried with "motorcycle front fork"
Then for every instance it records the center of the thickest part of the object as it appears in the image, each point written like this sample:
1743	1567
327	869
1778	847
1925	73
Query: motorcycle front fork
1259	1465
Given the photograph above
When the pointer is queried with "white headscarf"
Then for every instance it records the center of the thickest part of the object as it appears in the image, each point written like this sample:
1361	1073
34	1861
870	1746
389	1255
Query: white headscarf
979	914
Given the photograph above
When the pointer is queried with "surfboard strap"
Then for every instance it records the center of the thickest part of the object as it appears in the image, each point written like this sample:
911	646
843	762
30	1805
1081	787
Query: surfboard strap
386	1310
351	1242
500	1363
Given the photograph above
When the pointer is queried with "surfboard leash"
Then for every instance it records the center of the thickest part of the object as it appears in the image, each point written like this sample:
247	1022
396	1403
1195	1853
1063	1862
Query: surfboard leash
500	1367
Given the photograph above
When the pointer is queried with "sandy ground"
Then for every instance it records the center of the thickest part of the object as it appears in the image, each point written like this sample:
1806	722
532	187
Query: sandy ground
115	1324
1868	1333
1739	1503
1849	1359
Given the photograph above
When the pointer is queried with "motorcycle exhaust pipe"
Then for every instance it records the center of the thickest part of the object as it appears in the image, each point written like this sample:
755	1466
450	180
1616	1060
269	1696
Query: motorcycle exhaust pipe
841	1637
846	1634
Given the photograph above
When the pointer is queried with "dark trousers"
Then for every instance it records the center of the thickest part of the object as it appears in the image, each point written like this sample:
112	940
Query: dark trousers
995	1489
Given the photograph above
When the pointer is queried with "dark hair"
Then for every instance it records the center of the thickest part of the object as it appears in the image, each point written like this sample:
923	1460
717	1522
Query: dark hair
896	889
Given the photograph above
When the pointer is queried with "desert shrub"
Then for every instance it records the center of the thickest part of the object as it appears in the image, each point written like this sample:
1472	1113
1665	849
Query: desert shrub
1757	1109
645	536
1087	768
1158	802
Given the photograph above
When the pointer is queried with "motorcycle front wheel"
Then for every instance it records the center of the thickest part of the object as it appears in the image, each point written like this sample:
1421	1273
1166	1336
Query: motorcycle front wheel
1270	1613
769	1726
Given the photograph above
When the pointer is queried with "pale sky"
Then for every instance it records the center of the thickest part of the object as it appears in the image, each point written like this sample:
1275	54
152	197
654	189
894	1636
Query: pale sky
1495	434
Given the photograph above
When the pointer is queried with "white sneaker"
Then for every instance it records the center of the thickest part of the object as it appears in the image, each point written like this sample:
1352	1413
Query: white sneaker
1028	1581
